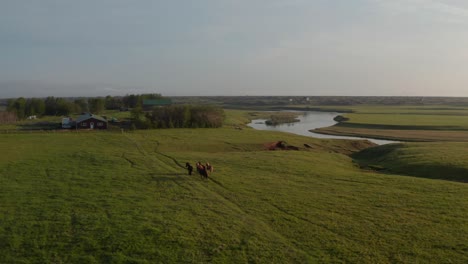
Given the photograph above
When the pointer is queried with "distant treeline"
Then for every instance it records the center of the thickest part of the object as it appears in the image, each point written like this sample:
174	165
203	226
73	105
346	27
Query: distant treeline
180	116
285	101
24	107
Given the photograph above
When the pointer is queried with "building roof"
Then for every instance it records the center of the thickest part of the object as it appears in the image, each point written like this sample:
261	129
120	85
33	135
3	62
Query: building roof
88	116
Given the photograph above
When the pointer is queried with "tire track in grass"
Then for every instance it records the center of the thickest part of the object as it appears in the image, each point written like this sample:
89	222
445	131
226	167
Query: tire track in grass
219	196
304	219
169	157
249	217
132	163
160	162
142	151
135	143
323	227
234	206
165	155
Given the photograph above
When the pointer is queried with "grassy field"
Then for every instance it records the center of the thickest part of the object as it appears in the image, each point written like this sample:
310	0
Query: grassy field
108	197
407	123
410	121
434	160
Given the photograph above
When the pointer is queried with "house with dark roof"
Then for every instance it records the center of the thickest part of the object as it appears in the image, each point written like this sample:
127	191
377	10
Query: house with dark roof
90	121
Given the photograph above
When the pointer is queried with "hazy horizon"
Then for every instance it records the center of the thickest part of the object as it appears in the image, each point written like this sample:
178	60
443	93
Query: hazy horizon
237	48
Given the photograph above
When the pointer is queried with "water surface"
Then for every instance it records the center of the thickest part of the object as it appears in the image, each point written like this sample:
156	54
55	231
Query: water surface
310	120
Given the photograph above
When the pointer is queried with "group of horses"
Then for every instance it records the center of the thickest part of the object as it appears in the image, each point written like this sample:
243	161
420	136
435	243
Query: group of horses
203	170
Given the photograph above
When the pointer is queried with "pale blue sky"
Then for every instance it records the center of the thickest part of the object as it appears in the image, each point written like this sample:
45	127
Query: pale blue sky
233	47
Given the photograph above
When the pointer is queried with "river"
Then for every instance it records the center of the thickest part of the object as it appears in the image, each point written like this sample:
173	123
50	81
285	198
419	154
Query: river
310	120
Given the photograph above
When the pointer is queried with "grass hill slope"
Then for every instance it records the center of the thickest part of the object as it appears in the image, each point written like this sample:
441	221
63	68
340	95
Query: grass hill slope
103	197
436	160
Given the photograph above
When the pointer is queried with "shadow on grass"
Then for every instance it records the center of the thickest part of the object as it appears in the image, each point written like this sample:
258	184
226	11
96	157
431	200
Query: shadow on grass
392	159
428	172
39	126
167	175
171	176
377	153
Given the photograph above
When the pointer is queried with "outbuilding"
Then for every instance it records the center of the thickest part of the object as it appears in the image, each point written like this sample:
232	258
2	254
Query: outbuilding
67	122
90	121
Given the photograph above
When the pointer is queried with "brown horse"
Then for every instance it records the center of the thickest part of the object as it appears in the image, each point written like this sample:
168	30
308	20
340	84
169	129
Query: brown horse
209	167
202	170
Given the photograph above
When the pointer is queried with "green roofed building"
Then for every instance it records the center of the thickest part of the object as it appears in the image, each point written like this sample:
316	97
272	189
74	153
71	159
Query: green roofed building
151	103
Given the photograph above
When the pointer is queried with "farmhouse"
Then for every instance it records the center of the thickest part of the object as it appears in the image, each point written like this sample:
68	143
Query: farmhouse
91	121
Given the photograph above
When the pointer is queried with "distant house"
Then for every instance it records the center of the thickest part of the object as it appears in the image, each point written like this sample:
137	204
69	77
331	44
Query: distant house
148	104
90	121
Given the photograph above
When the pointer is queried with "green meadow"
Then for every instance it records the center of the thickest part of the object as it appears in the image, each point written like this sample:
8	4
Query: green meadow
425	121
436	160
112	197
406	123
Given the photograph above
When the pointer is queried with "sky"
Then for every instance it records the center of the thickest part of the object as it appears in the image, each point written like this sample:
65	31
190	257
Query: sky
233	47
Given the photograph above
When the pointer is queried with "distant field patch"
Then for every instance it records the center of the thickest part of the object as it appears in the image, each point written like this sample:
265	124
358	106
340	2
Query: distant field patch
394	134
406	123
410	121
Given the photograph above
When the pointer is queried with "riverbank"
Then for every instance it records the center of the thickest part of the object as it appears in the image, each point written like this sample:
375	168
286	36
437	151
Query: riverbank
386	124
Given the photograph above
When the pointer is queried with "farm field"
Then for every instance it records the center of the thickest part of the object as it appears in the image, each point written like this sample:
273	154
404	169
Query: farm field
109	197
406	123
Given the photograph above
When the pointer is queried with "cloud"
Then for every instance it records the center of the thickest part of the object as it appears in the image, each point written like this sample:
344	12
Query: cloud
443	11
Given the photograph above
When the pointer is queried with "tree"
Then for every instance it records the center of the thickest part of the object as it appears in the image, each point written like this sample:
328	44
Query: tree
58	106
96	105
133	100
187	117
130	101
63	107
35	106
18	106
50	106
112	103
137	113
178	116
81	105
